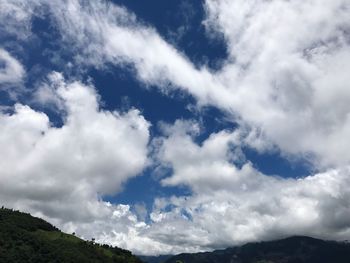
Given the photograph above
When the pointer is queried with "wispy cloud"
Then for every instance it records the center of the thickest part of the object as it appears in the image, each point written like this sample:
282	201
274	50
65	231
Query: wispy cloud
11	71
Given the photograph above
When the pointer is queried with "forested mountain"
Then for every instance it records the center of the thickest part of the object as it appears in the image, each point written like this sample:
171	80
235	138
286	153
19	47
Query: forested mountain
24	238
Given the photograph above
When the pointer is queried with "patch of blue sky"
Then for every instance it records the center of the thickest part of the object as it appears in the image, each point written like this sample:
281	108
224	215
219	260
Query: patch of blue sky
143	189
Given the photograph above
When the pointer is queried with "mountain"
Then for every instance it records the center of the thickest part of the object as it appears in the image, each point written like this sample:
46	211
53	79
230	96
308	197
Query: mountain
24	238
155	259
297	249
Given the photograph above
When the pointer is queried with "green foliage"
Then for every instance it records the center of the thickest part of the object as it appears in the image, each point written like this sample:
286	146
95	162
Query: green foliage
24	238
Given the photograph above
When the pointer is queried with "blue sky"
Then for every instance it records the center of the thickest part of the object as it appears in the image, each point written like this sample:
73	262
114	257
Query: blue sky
224	121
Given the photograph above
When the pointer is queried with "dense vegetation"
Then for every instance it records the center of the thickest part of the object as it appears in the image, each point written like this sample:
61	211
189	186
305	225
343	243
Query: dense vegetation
24	238
289	250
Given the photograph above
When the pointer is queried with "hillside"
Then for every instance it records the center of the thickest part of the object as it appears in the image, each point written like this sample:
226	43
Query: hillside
24	238
290	250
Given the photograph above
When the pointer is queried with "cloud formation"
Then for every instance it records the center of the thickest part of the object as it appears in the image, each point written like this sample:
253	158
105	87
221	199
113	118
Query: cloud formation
287	65
233	205
285	83
11	70
62	172
286	73
104	33
15	18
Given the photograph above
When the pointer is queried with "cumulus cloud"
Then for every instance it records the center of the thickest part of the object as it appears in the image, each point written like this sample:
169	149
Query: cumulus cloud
61	173
87	134
233	205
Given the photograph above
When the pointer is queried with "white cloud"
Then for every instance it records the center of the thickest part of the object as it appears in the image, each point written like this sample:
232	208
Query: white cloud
46	94
286	74
285	82
232	205
289	75
229	205
15	18
101	148
118	226
198	164
102	32
11	70
61	173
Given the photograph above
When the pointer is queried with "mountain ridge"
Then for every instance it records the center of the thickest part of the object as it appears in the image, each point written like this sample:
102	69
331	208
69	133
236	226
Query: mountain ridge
295	249
24	238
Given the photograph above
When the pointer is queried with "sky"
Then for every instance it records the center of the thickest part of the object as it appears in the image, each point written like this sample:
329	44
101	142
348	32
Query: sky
177	126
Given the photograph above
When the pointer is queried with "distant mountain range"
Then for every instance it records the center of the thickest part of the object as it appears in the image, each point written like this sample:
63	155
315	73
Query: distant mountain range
155	259
24	238
298	249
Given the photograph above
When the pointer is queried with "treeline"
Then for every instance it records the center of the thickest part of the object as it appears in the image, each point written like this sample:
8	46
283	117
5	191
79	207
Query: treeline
24	238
